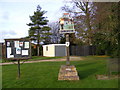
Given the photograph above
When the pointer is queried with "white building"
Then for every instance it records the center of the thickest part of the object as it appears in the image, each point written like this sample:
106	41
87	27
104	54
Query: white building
53	50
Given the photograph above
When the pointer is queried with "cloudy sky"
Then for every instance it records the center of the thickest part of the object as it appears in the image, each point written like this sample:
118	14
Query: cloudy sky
14	15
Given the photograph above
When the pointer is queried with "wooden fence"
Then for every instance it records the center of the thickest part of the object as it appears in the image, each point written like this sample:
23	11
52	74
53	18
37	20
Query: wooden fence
82	50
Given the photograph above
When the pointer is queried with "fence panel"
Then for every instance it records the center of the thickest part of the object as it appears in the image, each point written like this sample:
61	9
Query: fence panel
82	50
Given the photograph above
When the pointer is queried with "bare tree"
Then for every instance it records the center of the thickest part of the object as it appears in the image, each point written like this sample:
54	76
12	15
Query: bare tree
83	13
55	37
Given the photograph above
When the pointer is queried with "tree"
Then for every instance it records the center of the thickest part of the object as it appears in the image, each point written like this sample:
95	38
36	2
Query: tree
39	31
107	28
83	13
97	24
62	40
55	36
46	35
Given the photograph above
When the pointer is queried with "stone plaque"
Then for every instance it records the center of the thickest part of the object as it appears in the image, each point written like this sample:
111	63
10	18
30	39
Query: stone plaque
68	73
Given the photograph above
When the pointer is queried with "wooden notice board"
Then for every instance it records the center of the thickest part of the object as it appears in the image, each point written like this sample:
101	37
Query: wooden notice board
18	49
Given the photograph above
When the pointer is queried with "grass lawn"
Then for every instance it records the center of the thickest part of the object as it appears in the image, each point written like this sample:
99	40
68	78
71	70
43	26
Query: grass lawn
0	60
43	58
45	75
0	77
35	58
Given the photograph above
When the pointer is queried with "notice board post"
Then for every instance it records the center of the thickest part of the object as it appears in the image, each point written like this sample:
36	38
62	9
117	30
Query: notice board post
18	49
18	68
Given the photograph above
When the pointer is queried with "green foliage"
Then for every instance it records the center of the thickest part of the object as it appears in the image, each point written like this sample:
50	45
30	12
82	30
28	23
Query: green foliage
62	40
97	25
38	29
107	32
72	39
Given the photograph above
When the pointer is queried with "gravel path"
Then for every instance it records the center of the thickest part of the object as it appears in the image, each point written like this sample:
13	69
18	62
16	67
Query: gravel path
49	60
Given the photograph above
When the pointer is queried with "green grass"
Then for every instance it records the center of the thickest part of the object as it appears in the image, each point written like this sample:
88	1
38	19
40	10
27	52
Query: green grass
34	58
45	75
0	77
43	58
0	60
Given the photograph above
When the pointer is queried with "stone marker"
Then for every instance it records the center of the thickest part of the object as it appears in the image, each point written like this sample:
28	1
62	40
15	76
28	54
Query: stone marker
68	73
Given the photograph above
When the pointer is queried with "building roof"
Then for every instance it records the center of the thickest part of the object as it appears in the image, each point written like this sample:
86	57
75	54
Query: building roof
55	45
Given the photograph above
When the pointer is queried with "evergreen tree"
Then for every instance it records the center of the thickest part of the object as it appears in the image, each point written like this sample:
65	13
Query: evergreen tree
39	31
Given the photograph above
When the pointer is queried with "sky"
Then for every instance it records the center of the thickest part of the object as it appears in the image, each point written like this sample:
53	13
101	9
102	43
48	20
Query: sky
14	15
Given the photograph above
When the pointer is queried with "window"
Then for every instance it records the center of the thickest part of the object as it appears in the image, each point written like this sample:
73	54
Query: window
46	48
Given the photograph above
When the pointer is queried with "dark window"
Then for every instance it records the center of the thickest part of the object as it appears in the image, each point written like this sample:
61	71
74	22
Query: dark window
46	48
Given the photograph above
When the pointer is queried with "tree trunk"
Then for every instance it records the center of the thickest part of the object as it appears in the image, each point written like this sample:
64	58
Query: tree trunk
38	50
38	42
118	27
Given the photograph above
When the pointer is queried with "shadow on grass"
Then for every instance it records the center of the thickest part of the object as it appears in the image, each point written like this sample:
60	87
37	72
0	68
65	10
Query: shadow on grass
86	73
87	69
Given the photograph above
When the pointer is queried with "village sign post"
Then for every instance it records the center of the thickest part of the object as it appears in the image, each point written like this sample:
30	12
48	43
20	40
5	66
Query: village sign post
67	72
66	27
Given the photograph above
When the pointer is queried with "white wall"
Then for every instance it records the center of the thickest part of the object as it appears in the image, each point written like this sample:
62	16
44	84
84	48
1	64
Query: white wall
54	50
50	52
